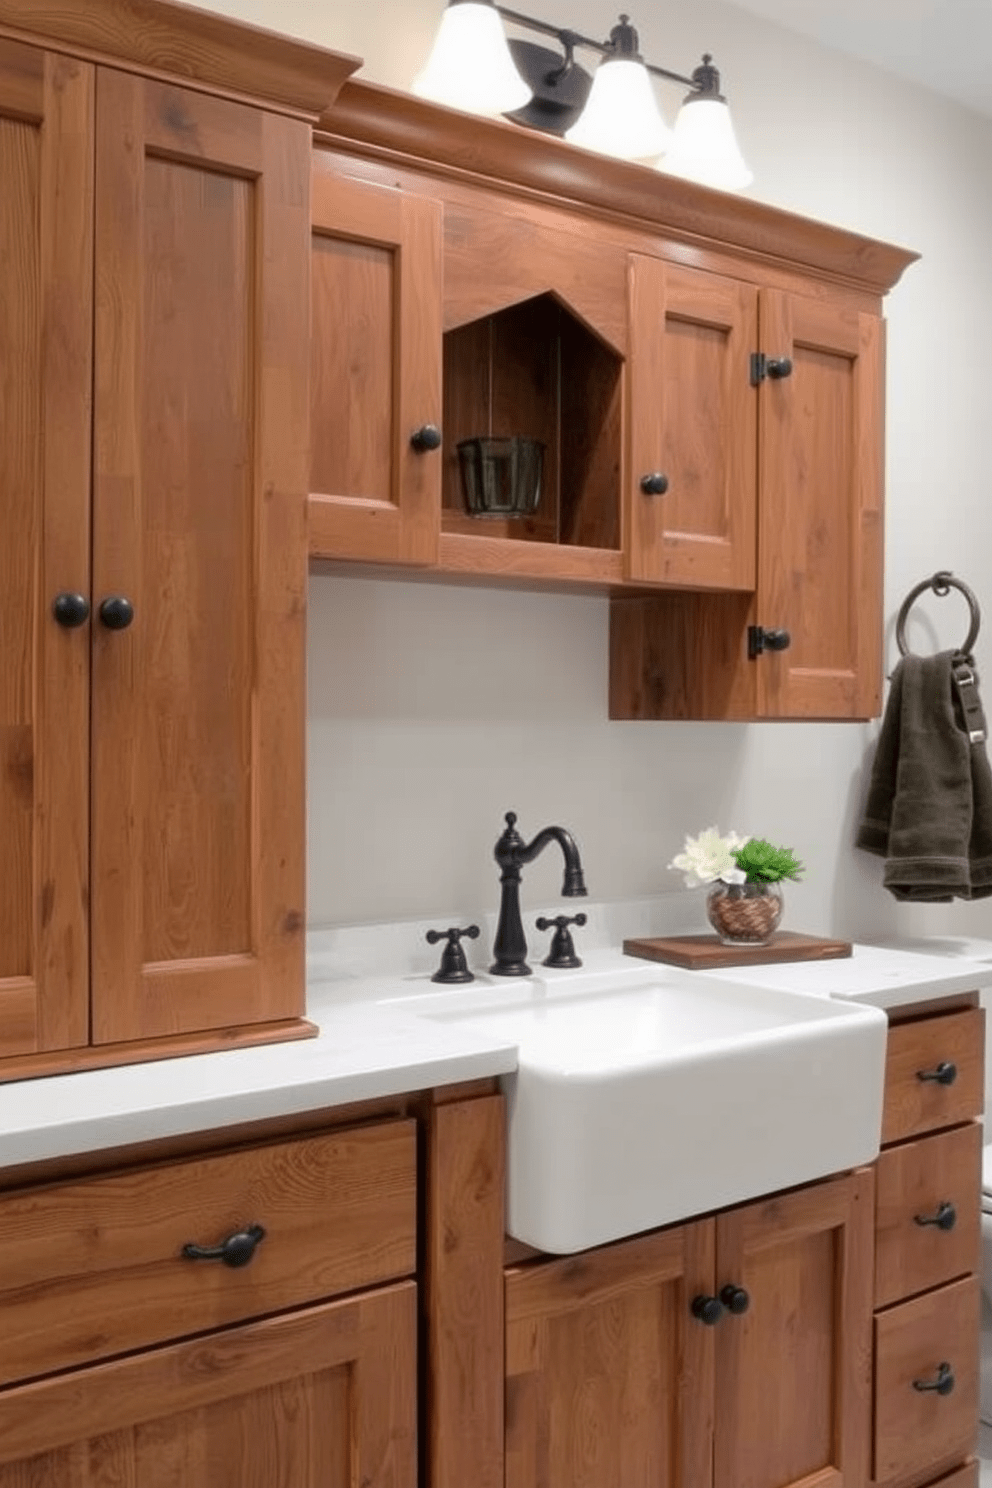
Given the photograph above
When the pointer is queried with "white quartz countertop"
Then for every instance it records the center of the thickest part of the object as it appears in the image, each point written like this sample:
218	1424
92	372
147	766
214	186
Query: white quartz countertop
370	1046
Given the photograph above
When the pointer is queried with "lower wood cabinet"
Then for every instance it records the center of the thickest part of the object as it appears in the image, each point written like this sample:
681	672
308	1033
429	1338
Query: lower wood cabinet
614	1375
321	1398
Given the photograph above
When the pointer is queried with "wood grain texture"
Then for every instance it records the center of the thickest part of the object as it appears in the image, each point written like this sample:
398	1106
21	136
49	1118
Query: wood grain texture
914	1429
462	1296
320	1398
912	1105
187	43
609	1377
821	498
559	563
915	1179
95	1268
681	655
696	952
793	1384
202	334
693	418
46	246
376	373
374	118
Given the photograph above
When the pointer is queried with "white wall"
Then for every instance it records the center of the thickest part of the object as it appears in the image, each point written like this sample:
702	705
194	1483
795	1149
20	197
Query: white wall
434	709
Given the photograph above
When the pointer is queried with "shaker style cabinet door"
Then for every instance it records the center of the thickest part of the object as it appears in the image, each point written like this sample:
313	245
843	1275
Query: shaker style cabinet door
324	1397
692	496
46	250
199	561
375	470
821	483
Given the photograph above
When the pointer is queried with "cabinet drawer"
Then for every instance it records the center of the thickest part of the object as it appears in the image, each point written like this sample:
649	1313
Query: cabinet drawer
919	1180
95	1268
914	1105
915	1427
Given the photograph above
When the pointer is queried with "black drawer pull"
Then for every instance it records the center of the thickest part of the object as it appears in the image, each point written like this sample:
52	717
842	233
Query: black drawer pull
236	1250
944	1074
943	1384
945	1218
735	1299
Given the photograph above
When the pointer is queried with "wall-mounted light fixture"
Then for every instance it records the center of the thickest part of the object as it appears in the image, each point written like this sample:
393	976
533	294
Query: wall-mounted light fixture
473	66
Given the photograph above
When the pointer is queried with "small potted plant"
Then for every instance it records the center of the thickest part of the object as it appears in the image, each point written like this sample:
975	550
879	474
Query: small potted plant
745	875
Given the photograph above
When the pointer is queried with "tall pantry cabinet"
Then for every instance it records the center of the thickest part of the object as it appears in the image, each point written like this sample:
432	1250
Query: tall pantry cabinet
154	370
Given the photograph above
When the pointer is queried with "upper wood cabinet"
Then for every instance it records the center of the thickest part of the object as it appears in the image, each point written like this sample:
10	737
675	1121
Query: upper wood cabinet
153	479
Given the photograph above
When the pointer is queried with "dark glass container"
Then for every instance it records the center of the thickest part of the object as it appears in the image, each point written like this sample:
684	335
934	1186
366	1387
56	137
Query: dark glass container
501	477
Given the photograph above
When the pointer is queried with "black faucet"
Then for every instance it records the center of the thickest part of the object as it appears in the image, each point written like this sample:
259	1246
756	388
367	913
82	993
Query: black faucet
511	852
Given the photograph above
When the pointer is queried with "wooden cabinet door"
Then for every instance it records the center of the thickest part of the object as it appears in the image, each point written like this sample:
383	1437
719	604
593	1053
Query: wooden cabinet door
693	422
320	1398
793	1374
200	468
376	373
609	1376
821	483
46	249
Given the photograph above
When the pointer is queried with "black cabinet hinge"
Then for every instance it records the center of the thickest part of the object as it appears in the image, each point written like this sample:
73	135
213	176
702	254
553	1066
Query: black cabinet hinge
763	366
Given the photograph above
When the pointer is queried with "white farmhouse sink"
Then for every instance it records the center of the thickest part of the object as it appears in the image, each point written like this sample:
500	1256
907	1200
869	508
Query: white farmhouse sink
647	1095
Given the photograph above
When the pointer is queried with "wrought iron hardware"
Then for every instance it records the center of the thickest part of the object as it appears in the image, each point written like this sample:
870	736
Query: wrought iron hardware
943	1384
759	639
945	1218
945	1074
763	366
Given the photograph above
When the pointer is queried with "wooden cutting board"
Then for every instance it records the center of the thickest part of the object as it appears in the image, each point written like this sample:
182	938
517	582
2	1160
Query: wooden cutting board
707	952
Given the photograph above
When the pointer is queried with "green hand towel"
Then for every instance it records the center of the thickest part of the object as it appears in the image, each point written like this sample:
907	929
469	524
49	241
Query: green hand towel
929	807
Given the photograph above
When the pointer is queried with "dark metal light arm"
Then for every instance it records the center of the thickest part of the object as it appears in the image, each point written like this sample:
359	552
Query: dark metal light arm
572	39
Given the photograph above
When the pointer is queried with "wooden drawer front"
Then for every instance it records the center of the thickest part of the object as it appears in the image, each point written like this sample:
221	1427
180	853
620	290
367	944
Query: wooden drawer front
95	1268
913	1105
964	1477
919	1180
912	1427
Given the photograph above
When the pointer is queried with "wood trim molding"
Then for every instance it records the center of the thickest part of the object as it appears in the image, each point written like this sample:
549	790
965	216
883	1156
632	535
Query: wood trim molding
166	40
380	121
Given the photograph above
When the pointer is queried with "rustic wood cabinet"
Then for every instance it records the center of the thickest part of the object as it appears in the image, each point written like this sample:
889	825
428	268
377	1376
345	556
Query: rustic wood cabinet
706	381
613	1374
153	467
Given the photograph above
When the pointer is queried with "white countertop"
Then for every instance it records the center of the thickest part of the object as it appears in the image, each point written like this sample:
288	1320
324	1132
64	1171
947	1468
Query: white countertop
369	1046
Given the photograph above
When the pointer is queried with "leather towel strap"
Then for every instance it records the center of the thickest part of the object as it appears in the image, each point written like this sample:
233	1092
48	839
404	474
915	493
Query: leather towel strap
965	680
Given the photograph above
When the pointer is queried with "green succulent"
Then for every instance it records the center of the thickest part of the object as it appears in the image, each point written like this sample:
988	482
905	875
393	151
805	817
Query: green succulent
763	863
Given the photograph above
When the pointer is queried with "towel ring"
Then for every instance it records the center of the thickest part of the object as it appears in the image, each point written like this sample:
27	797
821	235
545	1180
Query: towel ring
942	583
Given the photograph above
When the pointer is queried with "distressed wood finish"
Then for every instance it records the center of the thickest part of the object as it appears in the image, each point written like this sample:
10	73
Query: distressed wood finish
609	1377
180	41
463	1294
376	373
912	1428
916	1179
912	1105
46	247
821	486
95	1268
320	1398
793	1382
201	436
693	419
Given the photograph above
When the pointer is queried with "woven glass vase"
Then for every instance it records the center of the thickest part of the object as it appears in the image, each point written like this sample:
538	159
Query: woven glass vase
744	914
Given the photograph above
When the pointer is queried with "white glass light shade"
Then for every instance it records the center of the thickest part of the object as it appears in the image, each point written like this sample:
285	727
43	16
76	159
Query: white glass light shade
470	67
705	148
621	116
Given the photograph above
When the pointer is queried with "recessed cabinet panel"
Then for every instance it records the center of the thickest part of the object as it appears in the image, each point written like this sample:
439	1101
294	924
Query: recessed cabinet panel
693	427
198	527
375	480
46	249
820	550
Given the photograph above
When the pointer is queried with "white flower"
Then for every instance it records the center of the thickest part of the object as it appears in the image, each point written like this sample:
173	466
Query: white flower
708	857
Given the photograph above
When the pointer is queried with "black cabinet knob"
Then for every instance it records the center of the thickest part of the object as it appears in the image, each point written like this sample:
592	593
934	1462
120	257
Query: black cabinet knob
942	1385
71	610
945	1218
116	613
236	1250
427	437
654	484
759	640
735	1299
945	1074
708	1310
779	367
